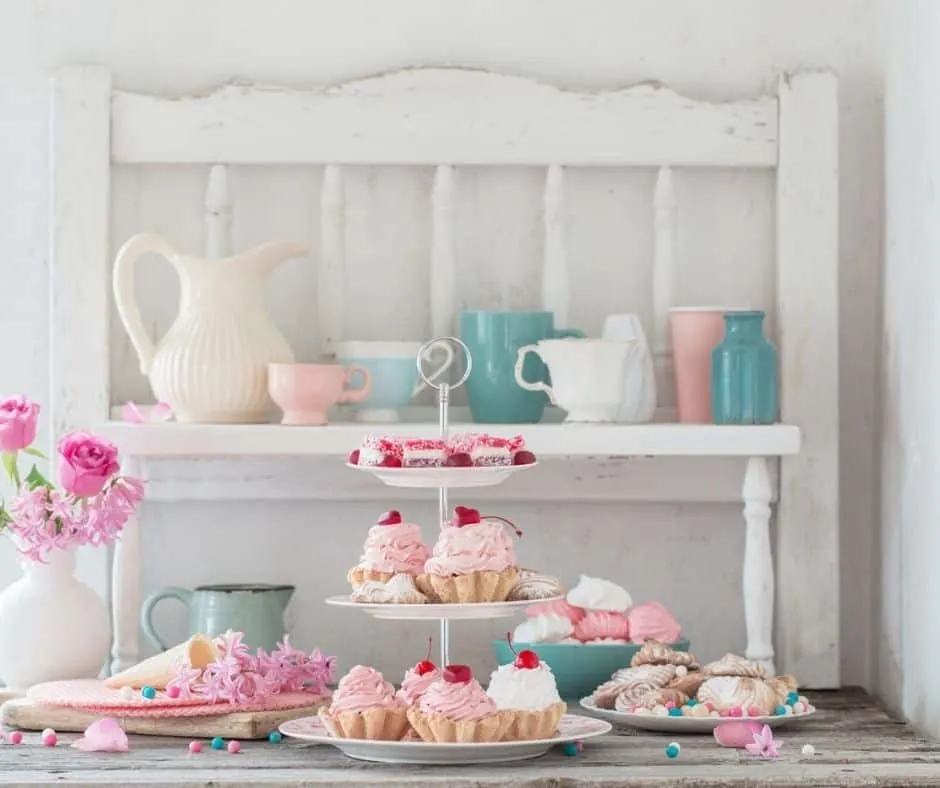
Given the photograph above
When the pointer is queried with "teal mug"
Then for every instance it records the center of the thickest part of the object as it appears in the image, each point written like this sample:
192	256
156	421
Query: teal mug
494	339
256	610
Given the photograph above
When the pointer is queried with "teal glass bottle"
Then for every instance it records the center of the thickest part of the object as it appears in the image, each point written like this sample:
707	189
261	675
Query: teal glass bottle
744	373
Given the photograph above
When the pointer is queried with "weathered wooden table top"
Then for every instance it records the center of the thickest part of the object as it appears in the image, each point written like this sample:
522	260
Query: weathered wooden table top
856	745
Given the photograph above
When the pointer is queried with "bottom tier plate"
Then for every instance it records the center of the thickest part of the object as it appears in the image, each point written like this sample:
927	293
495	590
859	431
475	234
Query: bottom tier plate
435	612
657	724
572	727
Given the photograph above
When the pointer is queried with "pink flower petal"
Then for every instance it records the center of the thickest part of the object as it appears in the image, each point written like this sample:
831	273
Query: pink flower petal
130	412
104	735
161	412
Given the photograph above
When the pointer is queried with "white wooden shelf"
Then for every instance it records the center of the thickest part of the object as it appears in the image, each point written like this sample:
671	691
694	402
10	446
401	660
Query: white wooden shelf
573	440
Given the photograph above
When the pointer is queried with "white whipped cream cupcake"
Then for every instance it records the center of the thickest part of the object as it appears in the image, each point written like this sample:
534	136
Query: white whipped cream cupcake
527	689
593	593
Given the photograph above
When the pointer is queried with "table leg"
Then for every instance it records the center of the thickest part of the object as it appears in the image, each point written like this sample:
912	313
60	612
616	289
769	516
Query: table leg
758	580
125	588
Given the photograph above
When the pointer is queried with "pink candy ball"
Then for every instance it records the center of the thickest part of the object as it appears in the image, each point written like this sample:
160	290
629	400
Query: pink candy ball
50	740
735	711
234	747
16	737
195	746
710	706
173	692
670	704
754	712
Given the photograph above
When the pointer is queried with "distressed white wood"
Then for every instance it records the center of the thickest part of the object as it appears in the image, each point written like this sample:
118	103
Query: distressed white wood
665	234
443	277
758	576
556	292
218	214
125	587
79	261
331	274
618	440
454	116
808	317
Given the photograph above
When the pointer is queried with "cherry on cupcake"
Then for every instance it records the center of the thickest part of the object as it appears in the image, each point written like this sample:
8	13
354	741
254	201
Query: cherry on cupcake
353	458
392	517
389	461
425	666
465	515
457	674
459	460
523	457
525	659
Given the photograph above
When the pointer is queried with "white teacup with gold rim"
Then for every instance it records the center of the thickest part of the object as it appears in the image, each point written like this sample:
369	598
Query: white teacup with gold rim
587	375
394	372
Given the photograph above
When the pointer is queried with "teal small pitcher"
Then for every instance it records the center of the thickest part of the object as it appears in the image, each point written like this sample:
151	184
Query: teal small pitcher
256	610
744	373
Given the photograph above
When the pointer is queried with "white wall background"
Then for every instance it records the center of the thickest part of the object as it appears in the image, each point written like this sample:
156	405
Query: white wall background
722	49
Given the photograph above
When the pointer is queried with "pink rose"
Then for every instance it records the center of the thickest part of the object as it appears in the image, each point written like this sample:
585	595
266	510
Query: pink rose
86	463
18	417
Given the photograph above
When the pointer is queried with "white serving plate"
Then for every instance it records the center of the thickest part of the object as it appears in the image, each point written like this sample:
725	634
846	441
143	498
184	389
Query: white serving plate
435	612
452	478
572	727
657	724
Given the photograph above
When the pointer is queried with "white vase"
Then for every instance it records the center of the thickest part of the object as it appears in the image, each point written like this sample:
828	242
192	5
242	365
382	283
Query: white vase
52	626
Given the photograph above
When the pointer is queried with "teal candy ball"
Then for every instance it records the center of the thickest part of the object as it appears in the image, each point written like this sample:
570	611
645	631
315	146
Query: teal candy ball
274	737
673	749
218	743
148	692
792	698
780	711
570	749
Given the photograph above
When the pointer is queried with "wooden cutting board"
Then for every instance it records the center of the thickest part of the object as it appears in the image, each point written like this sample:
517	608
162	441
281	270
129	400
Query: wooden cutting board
27	715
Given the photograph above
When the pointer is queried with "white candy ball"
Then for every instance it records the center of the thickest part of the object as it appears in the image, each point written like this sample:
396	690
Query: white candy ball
127	693
808	749
798	708
661	711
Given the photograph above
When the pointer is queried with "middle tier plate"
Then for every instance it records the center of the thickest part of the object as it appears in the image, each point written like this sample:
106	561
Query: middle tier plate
488	476
435	612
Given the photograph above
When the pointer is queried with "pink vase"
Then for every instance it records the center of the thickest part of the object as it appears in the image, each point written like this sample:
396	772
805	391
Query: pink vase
696	332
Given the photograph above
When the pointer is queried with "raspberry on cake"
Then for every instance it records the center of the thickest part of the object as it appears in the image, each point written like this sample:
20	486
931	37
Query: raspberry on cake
490	450
381	451
424	453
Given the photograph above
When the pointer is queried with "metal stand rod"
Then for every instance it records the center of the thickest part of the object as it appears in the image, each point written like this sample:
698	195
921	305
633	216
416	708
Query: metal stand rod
443	401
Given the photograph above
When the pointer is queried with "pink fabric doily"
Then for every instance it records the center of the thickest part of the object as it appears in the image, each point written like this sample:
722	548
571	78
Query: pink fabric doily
92	695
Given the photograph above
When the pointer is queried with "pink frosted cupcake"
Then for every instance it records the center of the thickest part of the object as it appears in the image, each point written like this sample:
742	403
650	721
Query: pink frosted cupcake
365	706
473	561
603	626
418	679
456	709
392	547
653	621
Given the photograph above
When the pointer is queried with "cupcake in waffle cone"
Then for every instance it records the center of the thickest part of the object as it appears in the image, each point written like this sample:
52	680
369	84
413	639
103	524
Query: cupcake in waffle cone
392	547
473	561
526	690
456	709
365	706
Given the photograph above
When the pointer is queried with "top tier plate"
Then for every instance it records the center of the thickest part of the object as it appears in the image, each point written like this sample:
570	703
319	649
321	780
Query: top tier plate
443	477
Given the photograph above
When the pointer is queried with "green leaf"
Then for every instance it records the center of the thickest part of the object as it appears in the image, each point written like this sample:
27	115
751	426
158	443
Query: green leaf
9	465
34	452
35	479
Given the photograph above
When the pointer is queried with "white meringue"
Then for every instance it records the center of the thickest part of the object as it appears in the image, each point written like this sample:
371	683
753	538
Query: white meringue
544	628
593	593
400	589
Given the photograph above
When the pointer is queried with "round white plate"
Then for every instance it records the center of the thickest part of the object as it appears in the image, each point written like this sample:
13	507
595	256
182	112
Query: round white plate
652	722
435	612
443	477
571	727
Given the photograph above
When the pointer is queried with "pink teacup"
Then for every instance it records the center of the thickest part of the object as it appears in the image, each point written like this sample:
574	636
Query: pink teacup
306	392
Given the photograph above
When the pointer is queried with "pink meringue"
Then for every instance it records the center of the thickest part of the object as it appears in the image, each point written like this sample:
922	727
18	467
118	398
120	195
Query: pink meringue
601	625
560	607
652	620
737	734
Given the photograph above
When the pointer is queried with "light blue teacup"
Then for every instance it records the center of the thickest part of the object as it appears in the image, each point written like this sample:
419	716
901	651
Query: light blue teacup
394	372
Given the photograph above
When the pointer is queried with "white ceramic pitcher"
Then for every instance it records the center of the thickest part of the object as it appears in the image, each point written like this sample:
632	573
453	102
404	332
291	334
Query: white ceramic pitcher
587	375
211	366
639	384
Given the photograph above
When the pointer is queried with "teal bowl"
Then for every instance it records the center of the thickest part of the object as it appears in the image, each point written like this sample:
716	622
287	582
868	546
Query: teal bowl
579	668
